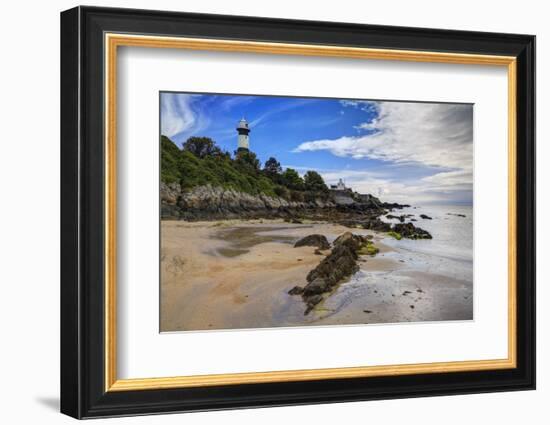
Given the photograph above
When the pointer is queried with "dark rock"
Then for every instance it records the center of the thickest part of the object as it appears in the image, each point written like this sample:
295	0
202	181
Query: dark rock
312	302
377	225
410	231
456	215
367	311
318	241
341	263
401	218
353	241
406	292
394	205
317	286
425	217
297	290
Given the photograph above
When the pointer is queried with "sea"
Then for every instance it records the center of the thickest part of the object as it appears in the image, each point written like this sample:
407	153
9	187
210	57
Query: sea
452	234
445	261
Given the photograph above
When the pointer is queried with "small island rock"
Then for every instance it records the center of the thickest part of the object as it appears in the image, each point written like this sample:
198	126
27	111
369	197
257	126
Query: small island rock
318	241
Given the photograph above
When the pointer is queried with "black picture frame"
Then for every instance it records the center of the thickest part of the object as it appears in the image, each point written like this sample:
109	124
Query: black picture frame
83	392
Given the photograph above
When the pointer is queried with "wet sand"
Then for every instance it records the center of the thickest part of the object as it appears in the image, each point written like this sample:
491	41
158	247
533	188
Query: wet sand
236	274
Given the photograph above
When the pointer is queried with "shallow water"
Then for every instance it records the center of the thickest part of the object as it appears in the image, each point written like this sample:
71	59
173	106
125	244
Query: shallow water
452	235
240	239
419	264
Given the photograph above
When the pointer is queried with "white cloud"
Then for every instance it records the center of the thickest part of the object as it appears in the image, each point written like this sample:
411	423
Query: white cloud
176	113
462	178
365	105
438	135
391	184
429	135
181	116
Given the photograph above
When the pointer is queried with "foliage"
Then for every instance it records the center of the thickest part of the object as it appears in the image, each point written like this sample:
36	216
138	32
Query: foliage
292	179
169	161
282	192
272	167
201	147
247	159
201	162
314	182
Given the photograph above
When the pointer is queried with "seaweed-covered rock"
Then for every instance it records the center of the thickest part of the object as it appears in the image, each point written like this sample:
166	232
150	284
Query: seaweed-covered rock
340	264
318	241
312	302
377	225
316	287
410	231
425	217
351	240
297	290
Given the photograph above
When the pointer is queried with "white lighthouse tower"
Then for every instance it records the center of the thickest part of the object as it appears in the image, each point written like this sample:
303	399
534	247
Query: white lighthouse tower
243	130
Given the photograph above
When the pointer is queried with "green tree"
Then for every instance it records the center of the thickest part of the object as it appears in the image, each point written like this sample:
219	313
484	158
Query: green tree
292	179
272	167
282	192
314	182
247	160
202	147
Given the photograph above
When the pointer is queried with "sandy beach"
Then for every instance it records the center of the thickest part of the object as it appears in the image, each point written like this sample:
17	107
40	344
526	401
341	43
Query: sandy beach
236	274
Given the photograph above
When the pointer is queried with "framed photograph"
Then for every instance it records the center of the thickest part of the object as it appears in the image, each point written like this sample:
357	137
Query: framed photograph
261	212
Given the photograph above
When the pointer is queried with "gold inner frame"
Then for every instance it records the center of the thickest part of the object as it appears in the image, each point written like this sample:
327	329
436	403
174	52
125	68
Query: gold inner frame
113	41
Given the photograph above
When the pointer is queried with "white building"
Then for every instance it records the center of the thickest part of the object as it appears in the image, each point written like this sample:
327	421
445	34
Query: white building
339	186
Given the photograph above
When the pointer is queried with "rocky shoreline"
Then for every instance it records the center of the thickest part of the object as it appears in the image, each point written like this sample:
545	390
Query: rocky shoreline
206	202
353	211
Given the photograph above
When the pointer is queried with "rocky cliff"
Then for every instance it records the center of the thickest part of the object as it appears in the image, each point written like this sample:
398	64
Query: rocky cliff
209	203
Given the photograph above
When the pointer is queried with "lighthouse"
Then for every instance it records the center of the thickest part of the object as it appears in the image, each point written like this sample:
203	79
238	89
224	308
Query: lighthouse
242	141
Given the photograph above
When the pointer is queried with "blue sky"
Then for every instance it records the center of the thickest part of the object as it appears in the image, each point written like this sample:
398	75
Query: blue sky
418	153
